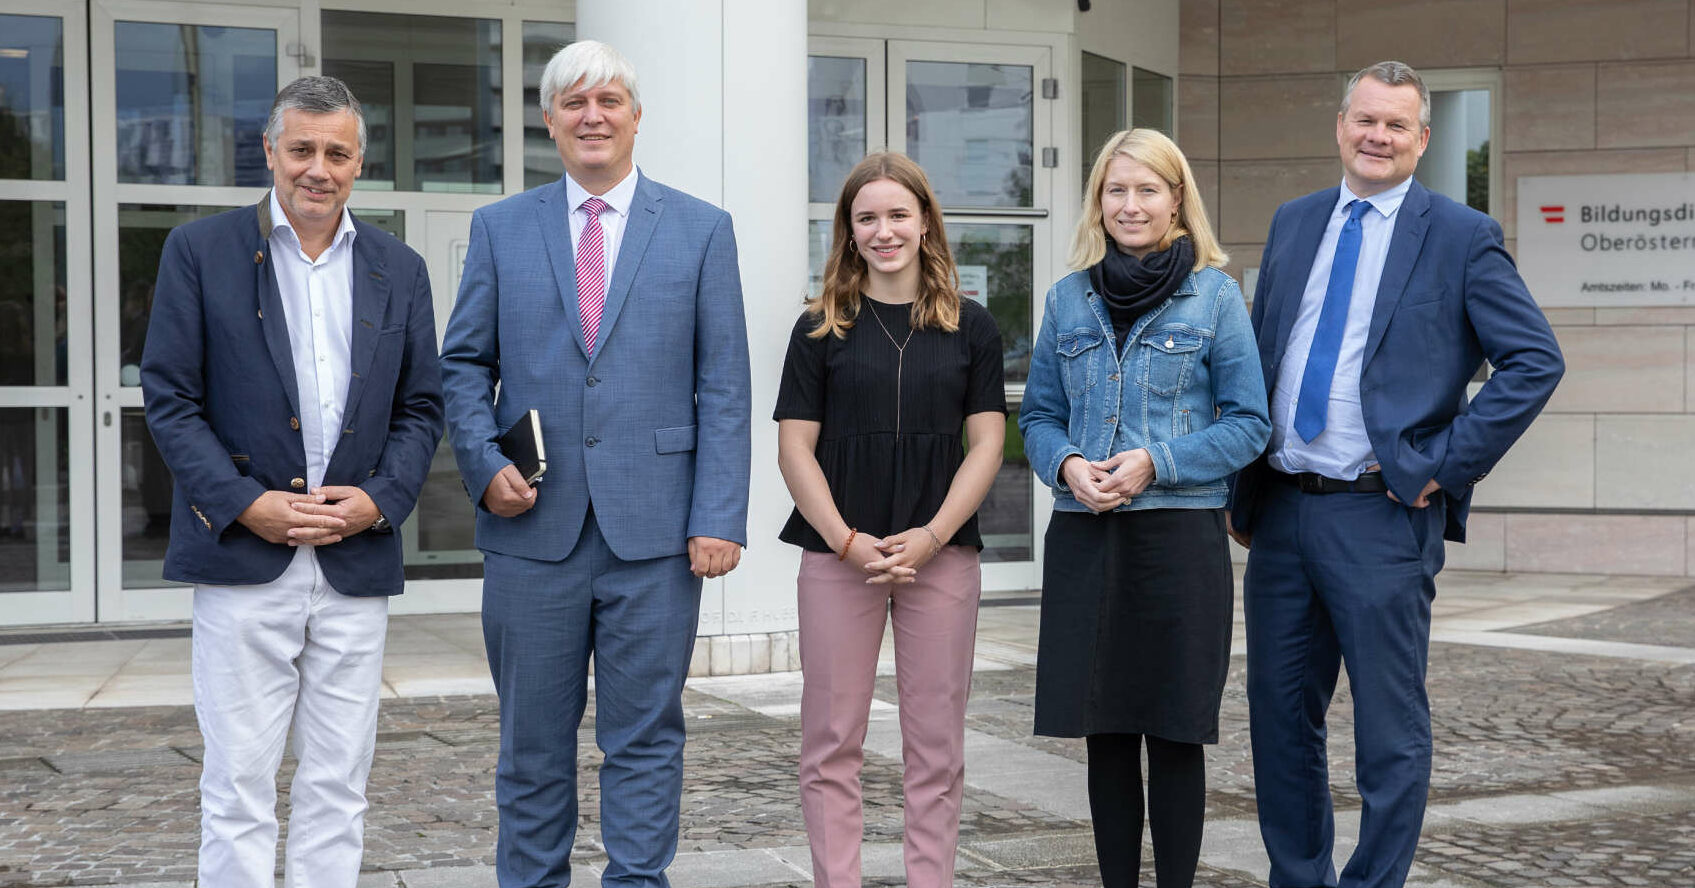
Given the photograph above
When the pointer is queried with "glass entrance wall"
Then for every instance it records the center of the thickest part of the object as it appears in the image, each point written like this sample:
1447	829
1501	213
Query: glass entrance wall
46	514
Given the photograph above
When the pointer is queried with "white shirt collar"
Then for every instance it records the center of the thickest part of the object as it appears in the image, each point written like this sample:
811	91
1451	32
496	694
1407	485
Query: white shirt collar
618	198
279	222
1385	202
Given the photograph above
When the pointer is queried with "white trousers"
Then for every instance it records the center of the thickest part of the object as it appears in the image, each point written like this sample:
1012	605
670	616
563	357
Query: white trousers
295	650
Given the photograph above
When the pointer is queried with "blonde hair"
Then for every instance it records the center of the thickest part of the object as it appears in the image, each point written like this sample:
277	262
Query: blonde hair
1152	149
845	271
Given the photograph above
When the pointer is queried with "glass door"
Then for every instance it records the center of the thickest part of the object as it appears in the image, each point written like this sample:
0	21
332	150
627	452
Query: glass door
46	458
184	90
975	117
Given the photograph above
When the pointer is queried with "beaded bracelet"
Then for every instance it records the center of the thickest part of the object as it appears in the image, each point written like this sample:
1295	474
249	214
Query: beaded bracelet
852	532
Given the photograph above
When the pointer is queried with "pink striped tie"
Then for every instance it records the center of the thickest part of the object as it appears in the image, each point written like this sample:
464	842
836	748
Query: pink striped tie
591	271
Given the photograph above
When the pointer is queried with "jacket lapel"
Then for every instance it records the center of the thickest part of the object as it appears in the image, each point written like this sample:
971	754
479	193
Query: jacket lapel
1292	287
645	210
1411	223
272	318
553	215
371	288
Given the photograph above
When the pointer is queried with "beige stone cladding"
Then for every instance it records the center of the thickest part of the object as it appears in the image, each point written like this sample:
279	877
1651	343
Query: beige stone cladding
1605	479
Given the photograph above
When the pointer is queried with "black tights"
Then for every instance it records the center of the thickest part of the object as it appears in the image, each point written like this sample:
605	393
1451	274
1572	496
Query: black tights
1177	785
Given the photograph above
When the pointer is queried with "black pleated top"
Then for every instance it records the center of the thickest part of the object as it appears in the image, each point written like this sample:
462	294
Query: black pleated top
893	426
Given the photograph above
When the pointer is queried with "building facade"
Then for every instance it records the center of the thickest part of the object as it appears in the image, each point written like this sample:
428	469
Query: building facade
120	119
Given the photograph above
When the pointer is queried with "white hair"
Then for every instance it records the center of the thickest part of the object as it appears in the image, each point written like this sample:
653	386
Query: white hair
588	62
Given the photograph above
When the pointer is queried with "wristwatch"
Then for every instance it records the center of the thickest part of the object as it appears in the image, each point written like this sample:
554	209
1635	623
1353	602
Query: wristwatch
380	525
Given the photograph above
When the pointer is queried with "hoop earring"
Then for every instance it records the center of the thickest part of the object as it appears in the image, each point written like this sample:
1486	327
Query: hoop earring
852	247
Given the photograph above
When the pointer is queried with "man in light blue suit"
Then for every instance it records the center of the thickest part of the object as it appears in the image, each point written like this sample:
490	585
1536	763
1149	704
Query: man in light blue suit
612	305
1377	304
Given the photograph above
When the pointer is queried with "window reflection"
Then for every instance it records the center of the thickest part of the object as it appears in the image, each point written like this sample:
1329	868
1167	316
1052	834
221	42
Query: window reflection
1456	164
443	526
192	102
995	268
1004	519
32	293
142	229
35	514
1103	99
541	156
32	97
430	86
970	126
835	123
1151	104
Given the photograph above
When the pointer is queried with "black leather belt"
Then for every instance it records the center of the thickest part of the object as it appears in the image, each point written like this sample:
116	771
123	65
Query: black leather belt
1312	482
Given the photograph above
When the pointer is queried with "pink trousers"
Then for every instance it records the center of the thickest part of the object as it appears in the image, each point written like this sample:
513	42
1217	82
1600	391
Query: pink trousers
841	632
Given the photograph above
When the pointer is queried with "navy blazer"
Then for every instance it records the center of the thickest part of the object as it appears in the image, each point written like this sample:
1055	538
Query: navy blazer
654	429
224	407
1450	297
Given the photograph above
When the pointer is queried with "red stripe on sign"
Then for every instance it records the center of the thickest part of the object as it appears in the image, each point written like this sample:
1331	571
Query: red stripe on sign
1555	220
1558	209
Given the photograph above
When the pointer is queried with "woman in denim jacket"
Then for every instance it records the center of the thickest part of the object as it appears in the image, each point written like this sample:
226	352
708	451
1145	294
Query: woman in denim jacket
1145	394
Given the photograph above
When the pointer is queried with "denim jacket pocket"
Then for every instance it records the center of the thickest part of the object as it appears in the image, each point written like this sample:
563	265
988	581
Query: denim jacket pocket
1168	358
1077	350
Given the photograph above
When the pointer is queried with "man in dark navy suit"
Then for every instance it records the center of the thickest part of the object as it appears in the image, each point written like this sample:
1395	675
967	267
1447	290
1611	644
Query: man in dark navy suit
292	386
1377	303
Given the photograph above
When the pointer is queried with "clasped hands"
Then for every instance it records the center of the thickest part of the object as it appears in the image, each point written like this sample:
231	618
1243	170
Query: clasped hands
895	558
324	516
1104	485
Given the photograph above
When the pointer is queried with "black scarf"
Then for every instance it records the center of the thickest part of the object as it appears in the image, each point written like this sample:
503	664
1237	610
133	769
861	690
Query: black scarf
1132	287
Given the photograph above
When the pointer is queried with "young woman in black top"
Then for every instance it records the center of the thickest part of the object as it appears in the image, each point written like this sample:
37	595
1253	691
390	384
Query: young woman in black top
883	371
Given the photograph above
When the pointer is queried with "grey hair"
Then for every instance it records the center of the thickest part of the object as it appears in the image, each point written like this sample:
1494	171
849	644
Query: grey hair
314	95
590	62
1393	74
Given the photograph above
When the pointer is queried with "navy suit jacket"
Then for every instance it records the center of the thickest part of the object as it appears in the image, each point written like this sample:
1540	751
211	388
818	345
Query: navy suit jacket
654	429
1450	297
224	407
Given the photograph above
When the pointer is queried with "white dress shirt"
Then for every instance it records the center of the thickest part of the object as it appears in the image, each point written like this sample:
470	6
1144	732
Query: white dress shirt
317	298
618	199
1342	450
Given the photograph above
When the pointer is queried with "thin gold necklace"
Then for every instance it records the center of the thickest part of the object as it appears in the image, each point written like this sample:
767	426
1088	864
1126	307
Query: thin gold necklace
900	357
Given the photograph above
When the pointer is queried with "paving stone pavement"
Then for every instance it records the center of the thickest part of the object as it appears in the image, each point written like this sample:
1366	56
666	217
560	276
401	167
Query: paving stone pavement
1550	770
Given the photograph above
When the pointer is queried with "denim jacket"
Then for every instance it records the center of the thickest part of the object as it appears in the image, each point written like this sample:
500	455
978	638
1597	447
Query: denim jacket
1188	388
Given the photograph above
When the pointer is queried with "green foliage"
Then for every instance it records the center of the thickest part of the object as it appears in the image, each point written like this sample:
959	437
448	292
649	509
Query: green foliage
1477	178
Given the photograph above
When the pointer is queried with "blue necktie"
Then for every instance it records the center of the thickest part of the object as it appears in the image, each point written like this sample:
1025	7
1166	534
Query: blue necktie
1314	402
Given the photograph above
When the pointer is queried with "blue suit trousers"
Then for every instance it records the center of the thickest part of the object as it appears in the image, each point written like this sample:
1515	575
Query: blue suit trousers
541	622
1340	579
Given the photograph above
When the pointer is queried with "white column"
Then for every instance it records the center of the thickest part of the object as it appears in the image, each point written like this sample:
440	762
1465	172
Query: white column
723	92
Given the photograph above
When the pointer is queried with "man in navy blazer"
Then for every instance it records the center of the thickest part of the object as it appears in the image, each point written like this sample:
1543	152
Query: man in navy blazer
292	388
612	305
1377	304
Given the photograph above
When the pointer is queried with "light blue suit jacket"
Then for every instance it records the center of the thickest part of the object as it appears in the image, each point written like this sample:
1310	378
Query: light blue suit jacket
654	429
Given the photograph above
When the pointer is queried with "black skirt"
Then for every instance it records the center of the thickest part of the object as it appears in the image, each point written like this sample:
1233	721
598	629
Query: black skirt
1135	634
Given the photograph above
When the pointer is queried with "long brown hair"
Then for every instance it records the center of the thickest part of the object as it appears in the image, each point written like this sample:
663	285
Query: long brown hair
1152	149
845	272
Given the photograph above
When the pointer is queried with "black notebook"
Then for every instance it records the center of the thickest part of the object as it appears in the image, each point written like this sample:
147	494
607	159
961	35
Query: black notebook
523	445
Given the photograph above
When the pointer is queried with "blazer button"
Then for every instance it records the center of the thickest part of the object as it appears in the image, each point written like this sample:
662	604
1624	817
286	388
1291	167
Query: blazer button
592	382
591	441
297	483
1113	377
294	423
1111	419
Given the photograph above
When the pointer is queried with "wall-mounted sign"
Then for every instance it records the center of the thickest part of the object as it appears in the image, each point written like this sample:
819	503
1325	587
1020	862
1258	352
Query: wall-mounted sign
1608	240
